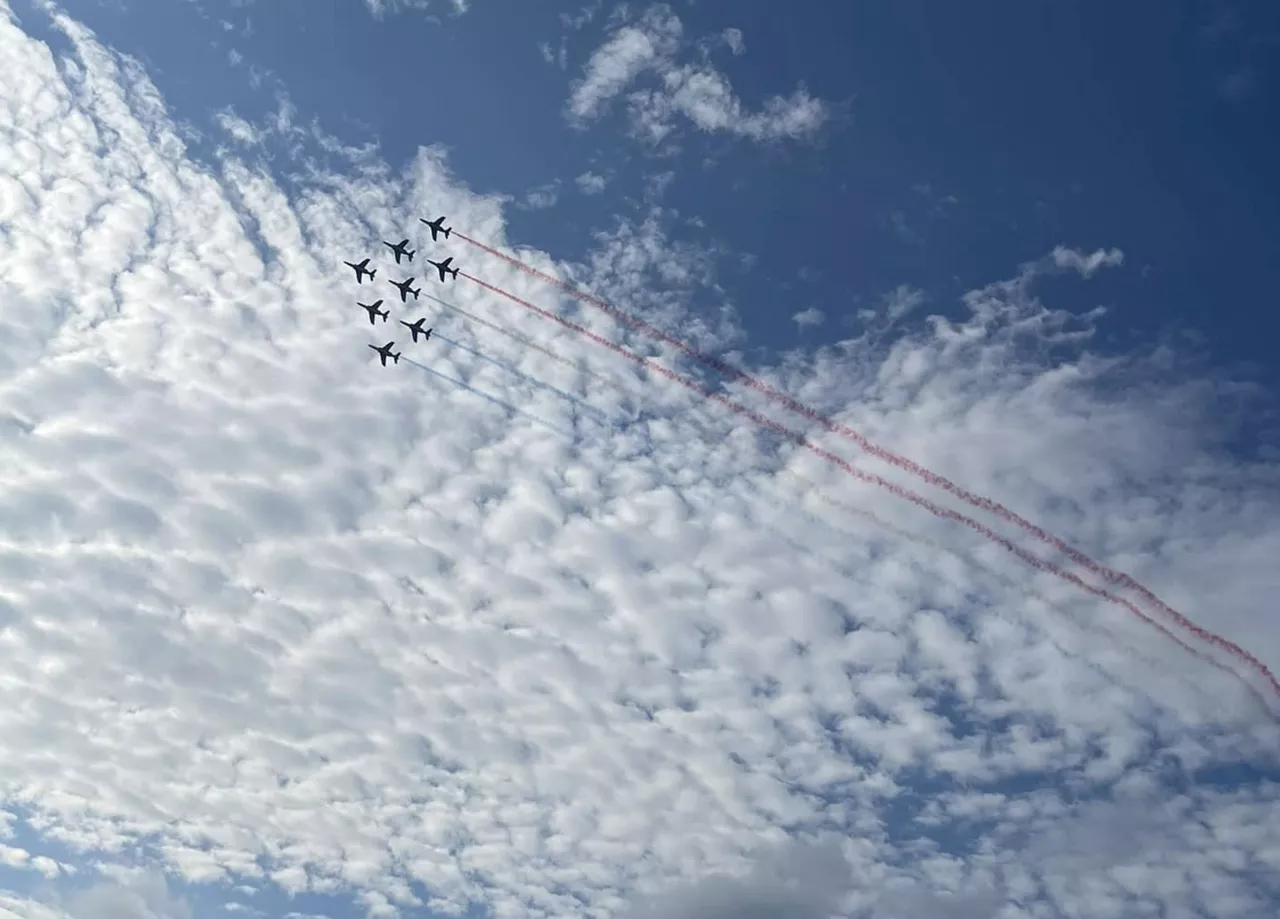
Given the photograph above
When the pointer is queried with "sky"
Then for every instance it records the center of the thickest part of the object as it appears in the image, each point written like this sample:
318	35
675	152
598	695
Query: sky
955	598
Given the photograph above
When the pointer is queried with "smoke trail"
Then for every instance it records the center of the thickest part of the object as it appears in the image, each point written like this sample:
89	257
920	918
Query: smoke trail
906	494
599	413
1110	575
527	342
489	398
812	487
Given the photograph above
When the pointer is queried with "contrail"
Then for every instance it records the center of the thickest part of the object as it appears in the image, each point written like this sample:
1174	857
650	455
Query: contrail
489	398
891	487
598	412
1110	575
528	343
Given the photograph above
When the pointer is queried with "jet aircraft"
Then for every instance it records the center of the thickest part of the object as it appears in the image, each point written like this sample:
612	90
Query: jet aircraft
362	268
443	268
406	288
385	352
400	248
437	226
416	328
372	310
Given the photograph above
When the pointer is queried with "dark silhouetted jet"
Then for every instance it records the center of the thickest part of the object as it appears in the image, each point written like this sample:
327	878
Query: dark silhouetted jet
443	268
406	288
372	310
362	269
385	352
399	249
416	328
437	226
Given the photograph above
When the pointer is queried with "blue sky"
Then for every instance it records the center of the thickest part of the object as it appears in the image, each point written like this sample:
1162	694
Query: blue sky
516	627
957	143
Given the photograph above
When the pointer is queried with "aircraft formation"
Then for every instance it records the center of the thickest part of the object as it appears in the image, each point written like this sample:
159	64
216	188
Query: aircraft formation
401	250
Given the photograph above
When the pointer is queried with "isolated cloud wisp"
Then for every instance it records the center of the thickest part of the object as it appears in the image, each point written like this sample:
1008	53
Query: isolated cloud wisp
541	197
698	93
382	8
733	38
591	183
809	317
1087	264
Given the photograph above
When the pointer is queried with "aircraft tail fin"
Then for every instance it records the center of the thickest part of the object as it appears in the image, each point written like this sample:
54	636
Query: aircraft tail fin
396	357
447	231
372	273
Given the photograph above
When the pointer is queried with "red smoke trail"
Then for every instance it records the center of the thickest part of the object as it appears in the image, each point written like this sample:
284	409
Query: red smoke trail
894	489
1118	578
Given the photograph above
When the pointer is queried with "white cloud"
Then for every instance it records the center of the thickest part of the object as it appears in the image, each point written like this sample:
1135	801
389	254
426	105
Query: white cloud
583	17
1086	264
902	300
238	129
699	93
615	64
541	197
705	97
558	57
381	8
810	317
140	895
273	615
131	894
591	183
733	38
803	881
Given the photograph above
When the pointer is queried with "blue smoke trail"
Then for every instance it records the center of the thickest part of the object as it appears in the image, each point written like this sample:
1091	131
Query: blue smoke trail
531	344
489	398
599	413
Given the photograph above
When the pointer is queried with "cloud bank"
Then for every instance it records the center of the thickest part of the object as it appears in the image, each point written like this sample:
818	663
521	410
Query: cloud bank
274	616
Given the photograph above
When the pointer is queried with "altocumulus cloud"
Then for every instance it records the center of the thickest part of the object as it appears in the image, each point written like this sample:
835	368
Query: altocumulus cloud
277	617
653	43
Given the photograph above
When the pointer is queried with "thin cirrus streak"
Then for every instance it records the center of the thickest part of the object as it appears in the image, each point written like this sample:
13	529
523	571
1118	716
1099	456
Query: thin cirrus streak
1110	575
899	491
